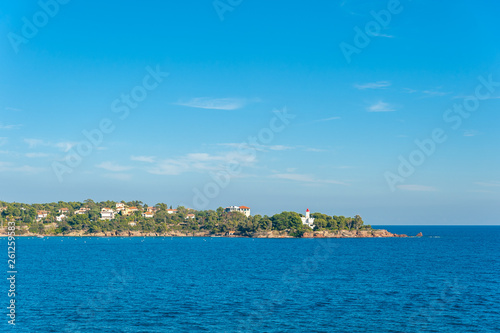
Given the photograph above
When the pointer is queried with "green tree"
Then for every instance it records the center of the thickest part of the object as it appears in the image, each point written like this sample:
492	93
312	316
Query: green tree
89	203
341	222
161	206
286	220
94	228
37	228
357	222
320	223
162	228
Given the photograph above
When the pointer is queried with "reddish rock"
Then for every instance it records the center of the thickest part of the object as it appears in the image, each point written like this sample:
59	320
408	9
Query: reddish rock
419	234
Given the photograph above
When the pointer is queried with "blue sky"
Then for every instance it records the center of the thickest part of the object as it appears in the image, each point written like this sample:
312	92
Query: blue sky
233	69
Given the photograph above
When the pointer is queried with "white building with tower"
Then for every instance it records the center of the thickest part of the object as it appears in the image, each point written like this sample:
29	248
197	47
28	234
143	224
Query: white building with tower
308	220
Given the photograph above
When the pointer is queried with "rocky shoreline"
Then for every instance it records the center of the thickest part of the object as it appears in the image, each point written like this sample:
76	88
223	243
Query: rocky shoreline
380	233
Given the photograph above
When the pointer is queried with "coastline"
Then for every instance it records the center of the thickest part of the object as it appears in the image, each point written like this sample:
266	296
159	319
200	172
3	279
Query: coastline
375	233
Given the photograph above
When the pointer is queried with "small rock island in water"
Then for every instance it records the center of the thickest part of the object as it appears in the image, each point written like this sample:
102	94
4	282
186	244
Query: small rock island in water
128	219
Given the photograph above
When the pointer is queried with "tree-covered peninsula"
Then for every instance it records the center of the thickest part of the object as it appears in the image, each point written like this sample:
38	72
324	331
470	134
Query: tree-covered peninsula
109	218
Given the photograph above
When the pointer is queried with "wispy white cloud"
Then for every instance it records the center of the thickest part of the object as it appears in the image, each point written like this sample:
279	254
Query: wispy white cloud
118	176
201	162
382	35
471	133
170	167
279	147
305	178
315	150
8	108
36	155
10	167
327	119
410	91
241	155
8	127
380	107
472	97
435	93
28	169
481	191
373	85
111	166
345	167
147	159
63	145
256	146
215	103
489	184
267	148
419	188
428	92
33	143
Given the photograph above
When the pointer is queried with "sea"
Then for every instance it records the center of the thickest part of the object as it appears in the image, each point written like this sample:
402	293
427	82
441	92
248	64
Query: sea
446	281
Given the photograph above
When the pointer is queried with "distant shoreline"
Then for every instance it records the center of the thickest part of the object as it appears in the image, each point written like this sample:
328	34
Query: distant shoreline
137	219
375	233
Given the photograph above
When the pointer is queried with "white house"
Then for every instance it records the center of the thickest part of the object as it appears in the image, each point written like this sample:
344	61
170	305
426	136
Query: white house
63	210
120	206
148	214
41	214
107	214
242	209
83	210
60	217
308	220
171	211
129	210
190	216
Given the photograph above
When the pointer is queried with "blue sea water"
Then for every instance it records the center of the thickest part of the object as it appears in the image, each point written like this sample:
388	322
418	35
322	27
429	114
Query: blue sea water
446	281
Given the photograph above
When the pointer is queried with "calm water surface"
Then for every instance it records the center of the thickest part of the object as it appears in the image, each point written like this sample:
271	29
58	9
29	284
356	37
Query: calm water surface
447	281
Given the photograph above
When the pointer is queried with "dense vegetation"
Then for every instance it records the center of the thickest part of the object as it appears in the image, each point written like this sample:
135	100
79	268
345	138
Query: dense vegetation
212	221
